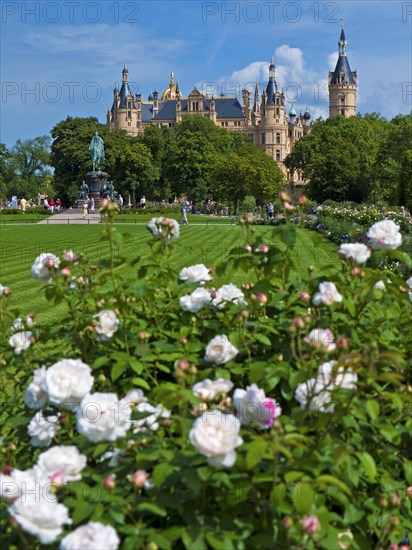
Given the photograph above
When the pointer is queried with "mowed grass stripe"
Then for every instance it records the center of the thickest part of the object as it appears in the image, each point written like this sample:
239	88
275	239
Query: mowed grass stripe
209	245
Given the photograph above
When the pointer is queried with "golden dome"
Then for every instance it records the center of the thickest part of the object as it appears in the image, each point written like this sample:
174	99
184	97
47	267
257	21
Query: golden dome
173	91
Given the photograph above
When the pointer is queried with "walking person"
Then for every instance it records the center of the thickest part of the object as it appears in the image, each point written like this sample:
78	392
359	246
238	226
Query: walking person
51	205
92	210
85	210
183	219
58	205
120	202
23	204
270	211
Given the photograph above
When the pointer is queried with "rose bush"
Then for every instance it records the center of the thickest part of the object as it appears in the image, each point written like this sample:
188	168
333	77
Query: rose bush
276	415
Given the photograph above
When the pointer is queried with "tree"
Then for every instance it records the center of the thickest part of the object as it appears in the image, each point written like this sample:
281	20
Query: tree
405	181
196	147
136	171
395	141
71	157
246	171
158	141
338	157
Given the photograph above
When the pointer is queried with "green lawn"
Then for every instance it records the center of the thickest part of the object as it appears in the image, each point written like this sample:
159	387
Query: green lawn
192	218
197	244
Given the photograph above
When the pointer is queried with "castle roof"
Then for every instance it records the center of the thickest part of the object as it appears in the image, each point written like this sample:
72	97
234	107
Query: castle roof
342	65
228	107
124	93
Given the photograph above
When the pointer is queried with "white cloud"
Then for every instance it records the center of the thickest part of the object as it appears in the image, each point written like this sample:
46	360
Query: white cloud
301	85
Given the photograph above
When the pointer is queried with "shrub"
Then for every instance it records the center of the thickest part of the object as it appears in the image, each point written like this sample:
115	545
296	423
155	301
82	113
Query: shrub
272	416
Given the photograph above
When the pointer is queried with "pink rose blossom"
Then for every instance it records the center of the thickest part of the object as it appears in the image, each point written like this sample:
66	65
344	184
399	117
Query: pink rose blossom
310	524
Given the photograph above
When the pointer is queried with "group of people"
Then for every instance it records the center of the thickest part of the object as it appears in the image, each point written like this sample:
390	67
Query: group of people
51	204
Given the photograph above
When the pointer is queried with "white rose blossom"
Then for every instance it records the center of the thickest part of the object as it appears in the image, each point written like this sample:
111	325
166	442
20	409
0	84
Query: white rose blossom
384	235
358	252
20	341
92	536
380	285
36	395
321	338
216	436
327	295
318	391
44	265
219	350
254	408
165	229
42	429
207	389
103	417
228	293
150	420
18	482
42	517
196	301
198	273
68	381
409	283
135	396
108	323
65	459
17	324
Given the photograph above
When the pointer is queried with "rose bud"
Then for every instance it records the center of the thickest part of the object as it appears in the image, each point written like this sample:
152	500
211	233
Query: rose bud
409	491
298	322
213	293
182	364
12	447
143	335
139	478
394	547
305	296
6	291
7	470
383	503
62	419
394	521
289	207
342	342
396	499
287	522
245	314
183	340
109	482
246	286
310	524
65	272
303	199
284	196
199	409
57	479
264	248
262	298
248	249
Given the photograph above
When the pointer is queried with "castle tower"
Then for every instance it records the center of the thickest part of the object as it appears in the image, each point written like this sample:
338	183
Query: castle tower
124	113
342	84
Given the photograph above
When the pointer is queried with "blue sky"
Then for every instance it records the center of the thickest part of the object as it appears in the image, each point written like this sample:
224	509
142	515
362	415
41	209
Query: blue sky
63	58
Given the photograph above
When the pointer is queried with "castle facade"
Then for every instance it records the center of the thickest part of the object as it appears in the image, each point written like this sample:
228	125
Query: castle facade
264	119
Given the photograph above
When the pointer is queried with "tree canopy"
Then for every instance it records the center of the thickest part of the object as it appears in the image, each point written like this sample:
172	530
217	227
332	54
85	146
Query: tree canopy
357	158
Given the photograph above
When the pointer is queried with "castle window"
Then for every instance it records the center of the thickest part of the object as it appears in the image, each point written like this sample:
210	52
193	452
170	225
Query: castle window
263	138
129	114
278	155
129	123
277	111
277	138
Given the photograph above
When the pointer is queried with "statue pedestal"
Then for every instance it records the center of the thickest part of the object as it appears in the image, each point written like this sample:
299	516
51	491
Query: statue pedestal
95	182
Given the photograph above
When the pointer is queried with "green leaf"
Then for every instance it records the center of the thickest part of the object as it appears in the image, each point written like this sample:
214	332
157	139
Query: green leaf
368	465
82	510
117	370
141	382
161	472
255	453
334	482
263	339
152	508
372	408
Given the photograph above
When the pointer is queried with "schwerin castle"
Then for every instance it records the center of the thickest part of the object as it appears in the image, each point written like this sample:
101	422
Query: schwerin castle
264	120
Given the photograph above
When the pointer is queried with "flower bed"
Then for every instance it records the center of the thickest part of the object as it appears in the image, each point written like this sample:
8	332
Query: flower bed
166	413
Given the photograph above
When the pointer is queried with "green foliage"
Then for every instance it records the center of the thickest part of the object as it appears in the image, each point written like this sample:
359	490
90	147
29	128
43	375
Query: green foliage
25	169
70	154
349	466
405	182
356	158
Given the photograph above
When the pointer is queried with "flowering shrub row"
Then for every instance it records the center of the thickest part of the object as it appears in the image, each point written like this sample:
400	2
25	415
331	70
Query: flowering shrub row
170	412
